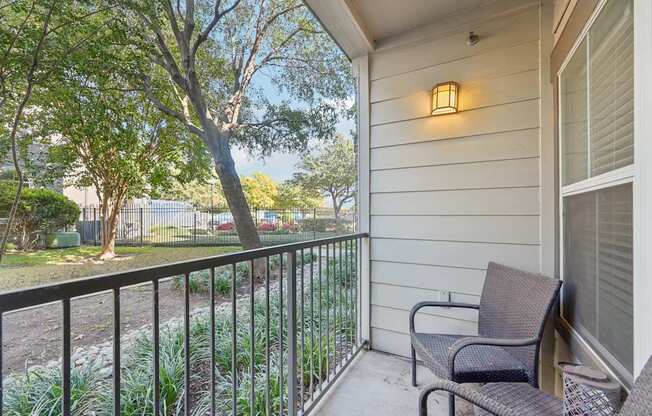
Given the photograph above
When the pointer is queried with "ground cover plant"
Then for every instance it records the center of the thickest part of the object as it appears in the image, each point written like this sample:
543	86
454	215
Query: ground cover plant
327	298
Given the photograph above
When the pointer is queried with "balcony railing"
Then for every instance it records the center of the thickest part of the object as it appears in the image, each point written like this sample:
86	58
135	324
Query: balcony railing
309	293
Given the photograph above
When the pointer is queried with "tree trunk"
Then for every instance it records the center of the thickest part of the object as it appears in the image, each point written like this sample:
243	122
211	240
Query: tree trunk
109	220
336	211
235	197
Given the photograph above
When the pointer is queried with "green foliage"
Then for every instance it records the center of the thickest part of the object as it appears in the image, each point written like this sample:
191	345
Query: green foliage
292	195
39	210
39	392
260	190
202	194
40	389
332	171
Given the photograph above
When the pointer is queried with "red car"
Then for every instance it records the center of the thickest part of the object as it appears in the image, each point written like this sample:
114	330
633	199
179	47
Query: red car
267	226
227	226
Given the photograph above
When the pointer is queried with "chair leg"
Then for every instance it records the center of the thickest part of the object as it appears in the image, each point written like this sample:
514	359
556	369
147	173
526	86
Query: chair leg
451	404
423	402
414	368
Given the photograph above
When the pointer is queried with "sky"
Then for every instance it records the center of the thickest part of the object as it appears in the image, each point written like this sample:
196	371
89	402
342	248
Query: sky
280	166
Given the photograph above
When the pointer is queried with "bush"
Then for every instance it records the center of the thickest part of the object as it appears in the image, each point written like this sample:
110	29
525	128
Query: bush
39	210
319	224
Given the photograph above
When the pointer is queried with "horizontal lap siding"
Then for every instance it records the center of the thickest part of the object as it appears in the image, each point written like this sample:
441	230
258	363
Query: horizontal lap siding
451	193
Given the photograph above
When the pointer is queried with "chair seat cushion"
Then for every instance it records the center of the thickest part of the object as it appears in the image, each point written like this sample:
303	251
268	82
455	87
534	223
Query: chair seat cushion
522	398
474	364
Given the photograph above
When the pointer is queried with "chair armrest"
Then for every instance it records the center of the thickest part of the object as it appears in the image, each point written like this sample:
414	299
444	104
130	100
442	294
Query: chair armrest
425	304
462	343
472	396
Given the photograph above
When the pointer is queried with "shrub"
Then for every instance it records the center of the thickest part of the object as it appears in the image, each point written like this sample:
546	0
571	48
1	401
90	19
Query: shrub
39	210
319	224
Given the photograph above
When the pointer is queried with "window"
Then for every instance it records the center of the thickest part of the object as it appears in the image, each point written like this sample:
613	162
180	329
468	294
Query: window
596	90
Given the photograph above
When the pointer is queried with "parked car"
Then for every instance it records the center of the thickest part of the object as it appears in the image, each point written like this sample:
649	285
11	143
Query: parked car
227	226
267	227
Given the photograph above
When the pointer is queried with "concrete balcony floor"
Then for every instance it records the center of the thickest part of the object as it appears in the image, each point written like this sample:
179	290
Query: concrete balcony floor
379	384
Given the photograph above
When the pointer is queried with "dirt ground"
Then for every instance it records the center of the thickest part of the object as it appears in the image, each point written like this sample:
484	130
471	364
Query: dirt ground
34	336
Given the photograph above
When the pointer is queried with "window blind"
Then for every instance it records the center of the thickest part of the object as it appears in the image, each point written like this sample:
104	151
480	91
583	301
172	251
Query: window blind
598	268
611	52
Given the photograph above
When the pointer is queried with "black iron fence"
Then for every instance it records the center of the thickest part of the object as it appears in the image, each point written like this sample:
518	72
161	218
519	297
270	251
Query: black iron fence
292	327
188	226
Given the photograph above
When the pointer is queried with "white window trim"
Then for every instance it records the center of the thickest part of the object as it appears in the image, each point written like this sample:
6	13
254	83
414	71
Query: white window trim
627	174
643	185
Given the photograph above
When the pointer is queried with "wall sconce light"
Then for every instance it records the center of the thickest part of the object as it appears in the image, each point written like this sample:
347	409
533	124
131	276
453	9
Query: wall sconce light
444	98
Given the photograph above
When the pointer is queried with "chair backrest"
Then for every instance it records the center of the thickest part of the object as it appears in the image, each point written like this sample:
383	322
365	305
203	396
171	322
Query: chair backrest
516	304
639	401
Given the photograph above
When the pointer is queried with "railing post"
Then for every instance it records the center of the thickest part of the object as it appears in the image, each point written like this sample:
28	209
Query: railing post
194	226
95	228
292	333
141	226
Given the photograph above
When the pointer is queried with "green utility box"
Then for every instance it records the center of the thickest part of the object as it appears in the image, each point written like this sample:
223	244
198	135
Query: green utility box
62	240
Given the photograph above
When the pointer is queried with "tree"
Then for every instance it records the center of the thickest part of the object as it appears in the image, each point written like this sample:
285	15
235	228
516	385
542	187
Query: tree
201	193
115	140
36	37
332	171
260	190
291	195
213	51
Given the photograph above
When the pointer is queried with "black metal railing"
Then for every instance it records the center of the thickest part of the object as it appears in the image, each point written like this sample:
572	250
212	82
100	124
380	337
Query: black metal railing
291	334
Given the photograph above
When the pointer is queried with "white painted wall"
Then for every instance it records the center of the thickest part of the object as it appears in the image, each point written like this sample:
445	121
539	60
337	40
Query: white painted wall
450	193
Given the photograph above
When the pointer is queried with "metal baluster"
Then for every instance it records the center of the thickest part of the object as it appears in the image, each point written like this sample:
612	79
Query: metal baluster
328	313
212	335
312	322
252	290
337	307
267	358
1	364
292	334
347	312
303	338
65	365
352	304
116	351
358	259
234	340
157	347
347	309
186	344
321	359
352	301
280	324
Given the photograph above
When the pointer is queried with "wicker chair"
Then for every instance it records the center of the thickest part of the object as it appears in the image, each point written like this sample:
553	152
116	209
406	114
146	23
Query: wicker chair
513	310
517	399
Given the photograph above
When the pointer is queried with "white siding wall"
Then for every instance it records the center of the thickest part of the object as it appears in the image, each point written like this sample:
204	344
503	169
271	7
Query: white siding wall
450	193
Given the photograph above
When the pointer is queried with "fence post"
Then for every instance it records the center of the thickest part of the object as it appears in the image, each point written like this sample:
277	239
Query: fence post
84	226
141	226
314	223
194	226
292	333
95	229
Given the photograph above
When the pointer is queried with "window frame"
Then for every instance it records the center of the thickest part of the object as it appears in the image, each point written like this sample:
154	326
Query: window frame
619	176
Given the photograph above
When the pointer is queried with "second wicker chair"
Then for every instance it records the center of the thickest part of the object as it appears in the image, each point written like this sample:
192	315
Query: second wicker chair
513	309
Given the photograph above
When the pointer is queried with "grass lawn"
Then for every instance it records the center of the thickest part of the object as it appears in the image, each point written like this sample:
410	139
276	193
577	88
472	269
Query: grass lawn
20	270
